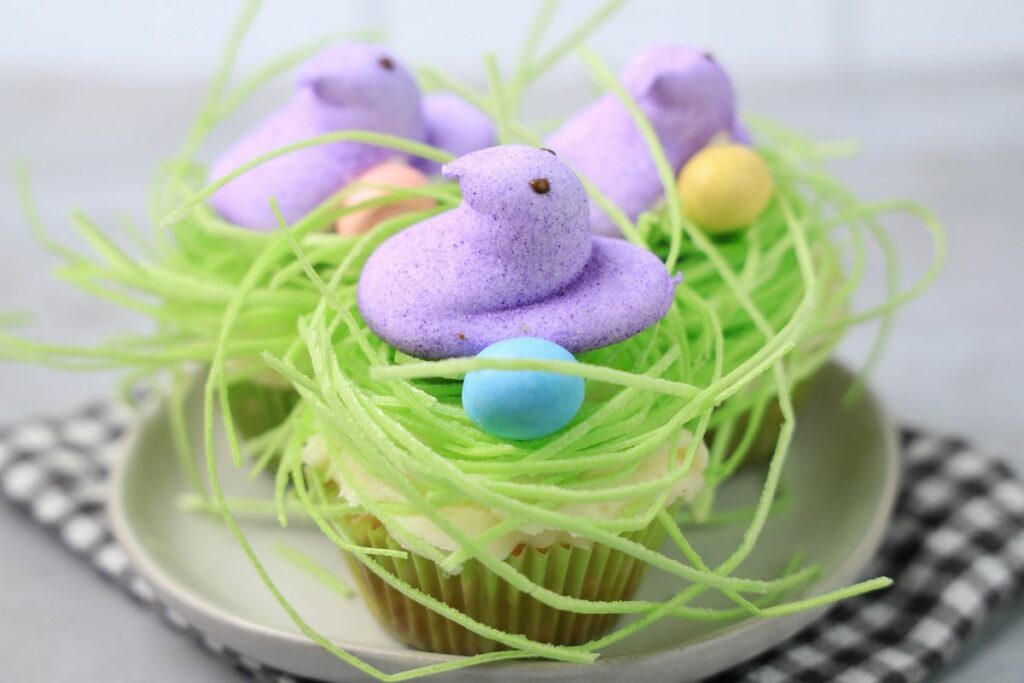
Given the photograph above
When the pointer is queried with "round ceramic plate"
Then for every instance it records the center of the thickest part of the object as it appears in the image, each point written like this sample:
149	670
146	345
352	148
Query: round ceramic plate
841	479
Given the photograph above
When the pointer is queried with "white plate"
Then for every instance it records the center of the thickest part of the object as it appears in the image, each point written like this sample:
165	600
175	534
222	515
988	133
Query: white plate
842	476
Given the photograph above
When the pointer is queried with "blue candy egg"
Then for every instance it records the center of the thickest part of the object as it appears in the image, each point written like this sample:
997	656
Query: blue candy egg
520	405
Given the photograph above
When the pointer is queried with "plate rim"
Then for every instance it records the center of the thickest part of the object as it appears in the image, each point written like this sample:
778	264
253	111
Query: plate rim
174	593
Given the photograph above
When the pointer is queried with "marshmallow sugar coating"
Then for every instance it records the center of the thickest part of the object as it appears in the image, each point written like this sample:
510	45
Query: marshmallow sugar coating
515	259
518	404
454	125
688	99
348	87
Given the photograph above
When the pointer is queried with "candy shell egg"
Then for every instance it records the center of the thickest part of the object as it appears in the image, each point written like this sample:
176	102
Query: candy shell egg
391	174
725	187
522	404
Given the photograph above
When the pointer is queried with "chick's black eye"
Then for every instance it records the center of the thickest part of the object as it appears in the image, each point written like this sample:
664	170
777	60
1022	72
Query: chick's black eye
386	63
710	57
549	151
540	185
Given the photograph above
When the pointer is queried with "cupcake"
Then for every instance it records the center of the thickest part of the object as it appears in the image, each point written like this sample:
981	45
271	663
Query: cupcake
517	256
218	261
354	87
721	189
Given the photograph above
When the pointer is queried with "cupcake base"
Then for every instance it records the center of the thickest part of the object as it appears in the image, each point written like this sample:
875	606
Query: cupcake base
256	407
594	573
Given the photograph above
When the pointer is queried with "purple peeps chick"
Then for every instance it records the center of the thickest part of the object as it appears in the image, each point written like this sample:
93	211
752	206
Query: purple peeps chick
348	87
688	98
454	125
516	258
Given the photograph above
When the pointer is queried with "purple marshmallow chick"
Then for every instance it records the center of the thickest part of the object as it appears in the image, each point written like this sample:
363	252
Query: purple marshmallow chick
688	98
348	87
516	258
454	125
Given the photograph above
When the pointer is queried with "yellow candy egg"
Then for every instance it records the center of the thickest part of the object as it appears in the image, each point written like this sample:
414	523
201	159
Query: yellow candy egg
724	187
387	175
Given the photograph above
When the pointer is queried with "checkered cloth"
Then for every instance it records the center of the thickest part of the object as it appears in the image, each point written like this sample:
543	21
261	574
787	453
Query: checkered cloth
955	549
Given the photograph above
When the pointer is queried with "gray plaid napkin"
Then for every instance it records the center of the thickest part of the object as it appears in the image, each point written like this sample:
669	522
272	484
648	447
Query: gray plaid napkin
955	548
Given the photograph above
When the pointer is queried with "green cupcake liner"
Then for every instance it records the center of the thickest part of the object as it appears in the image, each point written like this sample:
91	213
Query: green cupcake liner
594	573
258	407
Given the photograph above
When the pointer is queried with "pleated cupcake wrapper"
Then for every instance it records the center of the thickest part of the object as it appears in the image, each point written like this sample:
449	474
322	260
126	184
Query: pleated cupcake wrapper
258	407
597	572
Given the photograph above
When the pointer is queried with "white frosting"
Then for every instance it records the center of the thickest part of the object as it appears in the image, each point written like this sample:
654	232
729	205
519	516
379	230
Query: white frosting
474	520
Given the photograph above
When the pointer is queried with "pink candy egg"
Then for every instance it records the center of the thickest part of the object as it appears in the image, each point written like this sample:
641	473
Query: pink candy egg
391	174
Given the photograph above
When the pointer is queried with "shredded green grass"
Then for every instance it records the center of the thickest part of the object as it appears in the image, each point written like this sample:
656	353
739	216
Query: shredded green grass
757	315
